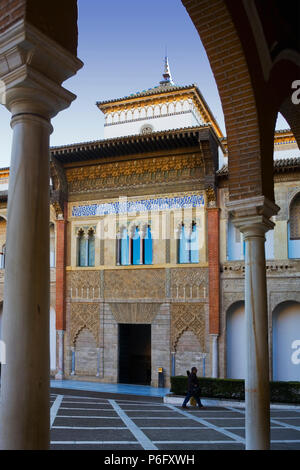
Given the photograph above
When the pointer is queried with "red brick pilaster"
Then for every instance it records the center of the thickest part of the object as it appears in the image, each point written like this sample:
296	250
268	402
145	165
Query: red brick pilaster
214	270
61	236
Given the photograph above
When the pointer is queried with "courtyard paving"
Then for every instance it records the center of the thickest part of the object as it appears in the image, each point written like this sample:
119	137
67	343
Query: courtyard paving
80	420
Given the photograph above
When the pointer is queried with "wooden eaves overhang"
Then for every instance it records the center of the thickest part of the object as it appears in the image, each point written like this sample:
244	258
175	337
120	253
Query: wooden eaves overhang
134	144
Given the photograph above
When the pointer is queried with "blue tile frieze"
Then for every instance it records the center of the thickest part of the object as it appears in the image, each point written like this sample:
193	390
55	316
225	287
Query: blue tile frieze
145	205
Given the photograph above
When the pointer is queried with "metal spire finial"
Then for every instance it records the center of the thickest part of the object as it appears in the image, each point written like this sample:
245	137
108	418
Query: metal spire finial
167	73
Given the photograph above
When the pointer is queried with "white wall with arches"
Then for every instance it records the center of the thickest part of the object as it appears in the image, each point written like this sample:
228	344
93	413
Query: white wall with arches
236	341
160	122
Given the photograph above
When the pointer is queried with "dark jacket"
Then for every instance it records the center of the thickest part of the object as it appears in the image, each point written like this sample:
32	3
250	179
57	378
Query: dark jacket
193	383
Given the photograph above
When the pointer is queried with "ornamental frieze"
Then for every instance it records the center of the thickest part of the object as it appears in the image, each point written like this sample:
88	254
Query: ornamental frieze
188	317
133	167
128	206
123	181
272	267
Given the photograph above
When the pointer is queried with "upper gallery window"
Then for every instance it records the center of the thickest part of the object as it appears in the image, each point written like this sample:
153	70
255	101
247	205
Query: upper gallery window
294	228
2	257
188	244
86	248
146	129
134	247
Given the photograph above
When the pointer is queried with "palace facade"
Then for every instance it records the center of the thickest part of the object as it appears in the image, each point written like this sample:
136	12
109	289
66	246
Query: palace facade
147	268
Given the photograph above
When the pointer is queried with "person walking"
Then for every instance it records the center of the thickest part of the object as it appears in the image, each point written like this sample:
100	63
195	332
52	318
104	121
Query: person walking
193	388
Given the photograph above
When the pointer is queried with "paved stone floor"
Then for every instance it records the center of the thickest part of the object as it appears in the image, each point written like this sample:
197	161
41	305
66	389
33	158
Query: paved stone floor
119	422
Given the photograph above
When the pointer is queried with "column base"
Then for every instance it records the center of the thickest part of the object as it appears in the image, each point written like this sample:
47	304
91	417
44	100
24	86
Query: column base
59	377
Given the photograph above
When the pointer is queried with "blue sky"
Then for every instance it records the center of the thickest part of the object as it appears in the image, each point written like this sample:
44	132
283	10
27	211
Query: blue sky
122	44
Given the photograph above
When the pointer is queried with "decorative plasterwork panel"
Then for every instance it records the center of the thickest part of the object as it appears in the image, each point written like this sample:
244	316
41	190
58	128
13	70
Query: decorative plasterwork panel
84	284
188	317
135	284
134	312
189	283
85	279
84	315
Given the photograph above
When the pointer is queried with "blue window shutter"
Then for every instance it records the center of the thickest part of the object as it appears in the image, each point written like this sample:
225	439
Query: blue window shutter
183	247
125	248
148	247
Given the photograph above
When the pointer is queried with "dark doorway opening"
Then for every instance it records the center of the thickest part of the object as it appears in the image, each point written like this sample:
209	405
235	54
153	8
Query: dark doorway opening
135	354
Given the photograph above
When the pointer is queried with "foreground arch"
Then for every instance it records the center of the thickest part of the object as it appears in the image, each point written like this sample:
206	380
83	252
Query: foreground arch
255	57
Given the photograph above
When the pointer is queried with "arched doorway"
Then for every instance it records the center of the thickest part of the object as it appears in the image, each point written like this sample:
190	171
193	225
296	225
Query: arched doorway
286	342
189	354
235	341
85	353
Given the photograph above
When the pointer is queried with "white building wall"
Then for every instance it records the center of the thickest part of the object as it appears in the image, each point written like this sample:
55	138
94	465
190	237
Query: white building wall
158	123
236	342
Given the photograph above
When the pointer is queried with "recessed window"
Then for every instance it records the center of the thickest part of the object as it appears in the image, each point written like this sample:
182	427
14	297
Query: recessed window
147	129
294	228
135	249
188	244
86	248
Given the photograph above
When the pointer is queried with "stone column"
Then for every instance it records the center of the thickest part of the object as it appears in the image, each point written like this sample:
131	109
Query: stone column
31	77
252	218
173	363
214	356
61	226
142	237
118	248
98	361
60	369
73	359
213	251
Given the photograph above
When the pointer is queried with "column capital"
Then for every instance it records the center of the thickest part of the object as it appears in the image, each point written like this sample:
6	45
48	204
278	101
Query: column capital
252	215
32	69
